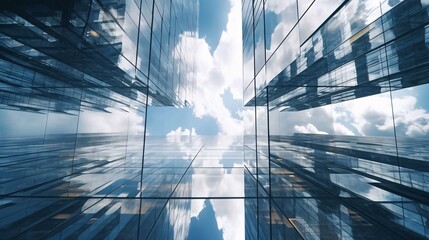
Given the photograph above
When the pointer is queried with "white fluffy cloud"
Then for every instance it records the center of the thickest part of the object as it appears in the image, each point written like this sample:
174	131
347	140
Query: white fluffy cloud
218	73
309	128
367	116
210	179
340	129
222	71
316	121
411	121
372	116
180	132
278	6
364	117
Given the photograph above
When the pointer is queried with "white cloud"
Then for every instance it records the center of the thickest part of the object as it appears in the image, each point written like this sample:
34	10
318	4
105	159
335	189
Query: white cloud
365	117
279	6
316	120
210	179
410	120
340	129
248	117
372	115
289	49
180	132
222	71
218	73
309	128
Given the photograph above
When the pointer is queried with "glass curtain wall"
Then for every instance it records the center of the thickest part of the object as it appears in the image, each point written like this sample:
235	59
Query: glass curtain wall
76	78
340	136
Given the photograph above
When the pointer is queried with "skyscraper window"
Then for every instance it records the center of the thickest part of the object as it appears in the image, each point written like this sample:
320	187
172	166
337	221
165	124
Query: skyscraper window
201	119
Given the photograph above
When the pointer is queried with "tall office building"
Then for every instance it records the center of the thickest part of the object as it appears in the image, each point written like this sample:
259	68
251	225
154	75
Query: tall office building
337	148
76	77
339	141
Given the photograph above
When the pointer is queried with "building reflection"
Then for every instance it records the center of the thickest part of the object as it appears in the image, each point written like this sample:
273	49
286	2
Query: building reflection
348	59
57	55
76	78
341	114
204	225
349	172
103	191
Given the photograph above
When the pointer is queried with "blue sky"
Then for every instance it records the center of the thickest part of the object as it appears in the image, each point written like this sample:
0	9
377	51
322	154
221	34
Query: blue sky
217	98
218	95
213	17
162	120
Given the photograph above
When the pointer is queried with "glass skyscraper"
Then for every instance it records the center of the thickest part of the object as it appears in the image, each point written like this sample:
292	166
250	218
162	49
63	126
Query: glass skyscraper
339	141
336	148
76	77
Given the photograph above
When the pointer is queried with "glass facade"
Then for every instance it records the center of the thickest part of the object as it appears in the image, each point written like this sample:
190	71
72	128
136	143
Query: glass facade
339	141
336	148
186	188
76	77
